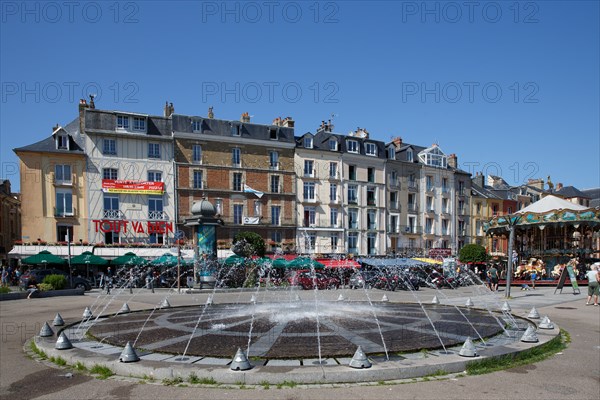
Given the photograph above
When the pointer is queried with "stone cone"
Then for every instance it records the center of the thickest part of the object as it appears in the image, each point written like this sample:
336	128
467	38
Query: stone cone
87	313
435	300
385	298
253	299
58	321
533	314
469	303
545	324
360	359
240	361
165	304
124	309
341	297
529	336
46	331
63	342
468	349
506	307
209	301
128	354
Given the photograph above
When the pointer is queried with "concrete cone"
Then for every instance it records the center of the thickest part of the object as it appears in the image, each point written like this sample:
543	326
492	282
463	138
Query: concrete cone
58	321
435	300
533	314
87	313
529	335
129	354
469	303
124	309
63	342
341	297
545	324
165	304
209	301
240	361
46	331
360	359
253	299
468	349
385	298
506	307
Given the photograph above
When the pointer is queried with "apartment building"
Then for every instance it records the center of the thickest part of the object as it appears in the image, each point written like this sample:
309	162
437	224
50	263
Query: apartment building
10	219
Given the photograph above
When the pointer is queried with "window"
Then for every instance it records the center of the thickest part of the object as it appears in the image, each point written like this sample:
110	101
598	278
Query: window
156	238
392	153
111	207
333	145
393	224
429	225
110	173
412	181
352	146
219	206
429	203
309	191
410	155
273	160
257	208
155	208
461	206
236	157
308	142
197	180
109	147
309	216
139	124
153	150
371	196
445	230
394	181
394	200
238	210
352	189
461	188
237	181
333	169
445	206
235	130
155	176
372	244
353	242
333	217
333	193
275	215
273	133
371	175
309	168
334	242
370	149
429	183
62	142
352	218
64	203
276	237
352	172
310	242
371	219
122	122
62	174
412	225
445	188
412	203
196	125
64	233
275	184
197	153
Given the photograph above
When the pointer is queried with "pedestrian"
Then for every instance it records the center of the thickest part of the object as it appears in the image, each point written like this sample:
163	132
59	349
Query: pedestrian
533	278
4	277
493	275
593	277
108	280
32	286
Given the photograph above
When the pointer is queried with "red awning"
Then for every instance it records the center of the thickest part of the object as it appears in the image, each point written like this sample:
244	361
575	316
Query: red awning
329	263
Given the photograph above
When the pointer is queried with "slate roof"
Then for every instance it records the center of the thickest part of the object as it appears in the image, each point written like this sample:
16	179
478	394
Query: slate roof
219	127
570	192
484	192
594	195
48	145
322	137
105	120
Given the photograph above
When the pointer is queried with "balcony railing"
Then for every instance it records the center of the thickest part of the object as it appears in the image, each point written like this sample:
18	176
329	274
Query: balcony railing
371	202
113	214
63	182
411	229
412	185
445	189
393	205
412	207
158	215
430	188
308	223
65	213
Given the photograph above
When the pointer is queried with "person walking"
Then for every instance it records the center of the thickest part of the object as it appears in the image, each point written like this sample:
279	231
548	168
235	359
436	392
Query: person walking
493	275
108	277
4	277
593	277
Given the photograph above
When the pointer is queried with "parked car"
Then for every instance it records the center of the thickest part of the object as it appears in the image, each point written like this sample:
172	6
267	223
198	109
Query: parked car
307	280
40	274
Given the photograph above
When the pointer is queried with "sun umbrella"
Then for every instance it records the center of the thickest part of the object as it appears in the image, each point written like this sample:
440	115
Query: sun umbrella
305	263
44	258
88	258
280	263
166	260
129	259
234	260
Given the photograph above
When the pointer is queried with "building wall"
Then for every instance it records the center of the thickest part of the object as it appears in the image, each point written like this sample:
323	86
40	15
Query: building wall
440	235
10	219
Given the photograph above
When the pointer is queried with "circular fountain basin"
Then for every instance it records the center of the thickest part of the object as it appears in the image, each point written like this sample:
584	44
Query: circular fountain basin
297	329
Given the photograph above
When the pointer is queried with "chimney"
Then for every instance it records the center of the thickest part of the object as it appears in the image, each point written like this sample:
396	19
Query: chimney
478	179
171	109
453	161
211	114
277	121
537	183
82	107
287	122
559	186
397	142
166	109
245	117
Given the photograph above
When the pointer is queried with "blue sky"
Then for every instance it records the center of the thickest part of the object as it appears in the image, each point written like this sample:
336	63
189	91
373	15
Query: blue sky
511	88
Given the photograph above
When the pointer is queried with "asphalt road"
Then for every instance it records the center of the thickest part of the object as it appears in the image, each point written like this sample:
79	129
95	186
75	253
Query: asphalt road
572	374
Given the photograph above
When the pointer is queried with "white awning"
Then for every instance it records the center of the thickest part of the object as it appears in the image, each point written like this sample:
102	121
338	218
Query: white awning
550	203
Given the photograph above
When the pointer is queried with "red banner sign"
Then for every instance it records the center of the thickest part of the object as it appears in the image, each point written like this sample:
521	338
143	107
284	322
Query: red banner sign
124	226
132	187
440	253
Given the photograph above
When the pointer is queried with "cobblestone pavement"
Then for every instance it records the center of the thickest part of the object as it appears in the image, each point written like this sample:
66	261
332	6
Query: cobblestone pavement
572	374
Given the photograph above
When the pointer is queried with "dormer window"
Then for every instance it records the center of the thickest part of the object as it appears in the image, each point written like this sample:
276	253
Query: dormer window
139	124
122	122
352	146
391	153
196	125
273	133
433	157
410	157
370	149
308	142
333	145
235	130
62	142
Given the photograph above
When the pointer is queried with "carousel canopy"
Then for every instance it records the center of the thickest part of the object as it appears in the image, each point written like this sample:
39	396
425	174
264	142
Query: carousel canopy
549	210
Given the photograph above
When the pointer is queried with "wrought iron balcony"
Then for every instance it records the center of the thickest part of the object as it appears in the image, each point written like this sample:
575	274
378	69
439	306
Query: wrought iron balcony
113	214
157	215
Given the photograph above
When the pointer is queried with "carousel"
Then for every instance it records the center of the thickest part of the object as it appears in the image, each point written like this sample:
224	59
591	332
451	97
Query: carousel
549	234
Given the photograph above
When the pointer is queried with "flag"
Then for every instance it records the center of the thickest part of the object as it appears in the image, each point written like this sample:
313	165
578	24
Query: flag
248	189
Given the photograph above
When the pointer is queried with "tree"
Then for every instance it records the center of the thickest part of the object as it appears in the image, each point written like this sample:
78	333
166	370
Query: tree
247	244
472	253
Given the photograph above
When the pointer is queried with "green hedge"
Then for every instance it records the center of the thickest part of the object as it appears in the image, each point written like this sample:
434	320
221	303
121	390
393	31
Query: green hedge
58	282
